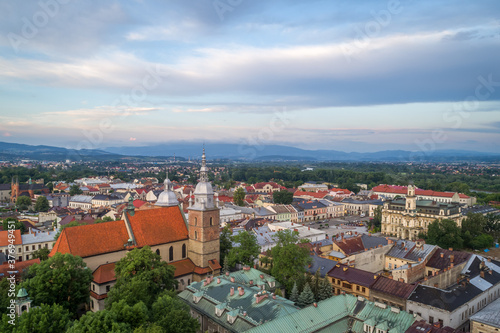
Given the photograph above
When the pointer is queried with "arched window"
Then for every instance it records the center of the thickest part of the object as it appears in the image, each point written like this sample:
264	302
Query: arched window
189	282
158	251
171	254
196	235
183	250
195	221
211	221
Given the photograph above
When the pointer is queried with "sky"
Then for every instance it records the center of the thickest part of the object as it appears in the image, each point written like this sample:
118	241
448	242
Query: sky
345	75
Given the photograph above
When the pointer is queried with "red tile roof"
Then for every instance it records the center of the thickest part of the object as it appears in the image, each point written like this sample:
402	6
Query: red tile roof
183	267
351	245
353	275
4	238
150	227
104	273
403	190
20	266
393	287
317	195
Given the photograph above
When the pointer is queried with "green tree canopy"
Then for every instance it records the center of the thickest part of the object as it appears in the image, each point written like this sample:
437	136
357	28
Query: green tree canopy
17	224
23	202
226	242
44	319
42	254
247	251
325	290
306	296
239	197
141	276
42	204
283	197
63	279
172	315
74	190
289	259
445	233
294	295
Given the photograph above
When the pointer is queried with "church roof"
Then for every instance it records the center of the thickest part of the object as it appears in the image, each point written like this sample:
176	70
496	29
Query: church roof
150	227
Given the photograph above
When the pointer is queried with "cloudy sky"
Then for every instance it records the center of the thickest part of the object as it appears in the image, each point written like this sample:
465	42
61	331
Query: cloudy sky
346	75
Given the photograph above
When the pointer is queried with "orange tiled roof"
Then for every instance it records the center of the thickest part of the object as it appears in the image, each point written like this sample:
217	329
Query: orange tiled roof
92	239
150	227
104	273
158	226
19	267
403	190
4	238
317	195
183	267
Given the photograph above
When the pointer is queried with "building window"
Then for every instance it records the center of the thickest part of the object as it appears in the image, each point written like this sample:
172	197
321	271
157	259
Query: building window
211	221
108	288
183	250
431	319
27	248
33	247
196	235
39	246
93	287
157	251
195	221
91	304
171	253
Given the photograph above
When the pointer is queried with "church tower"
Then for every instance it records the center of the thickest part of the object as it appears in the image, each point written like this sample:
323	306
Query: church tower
411	199
204	247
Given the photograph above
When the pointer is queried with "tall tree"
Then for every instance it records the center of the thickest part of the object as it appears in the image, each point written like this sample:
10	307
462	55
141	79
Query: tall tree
23	202
445	233
306	296
246	251
74	190
17	224
289	259
42	204
44	319
226	242
325	290
42	254
141	276
239	197
173	316
283	197
63	279
316	284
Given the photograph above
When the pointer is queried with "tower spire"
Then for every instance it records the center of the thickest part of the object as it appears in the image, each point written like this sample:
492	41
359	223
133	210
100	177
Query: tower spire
203	170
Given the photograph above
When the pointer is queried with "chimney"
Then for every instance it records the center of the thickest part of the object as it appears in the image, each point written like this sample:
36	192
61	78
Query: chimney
452	265
227	273
490	272
452	258
260	296
232	291
442	254
450	249
241	291
406	249
251	282
401	280
274	296
255	266
315	304
218	280
409	265
419	259
482	274
261	276
232	279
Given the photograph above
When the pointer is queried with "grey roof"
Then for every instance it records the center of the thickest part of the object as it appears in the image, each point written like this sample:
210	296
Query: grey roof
405	249
489	315
106	197
38	237
311	204
373	241
261	211
322	242
4	187
448	300
324	265
81	198
370	202
479	210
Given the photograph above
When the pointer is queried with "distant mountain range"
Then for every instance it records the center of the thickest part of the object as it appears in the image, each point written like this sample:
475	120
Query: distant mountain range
286	153
14	151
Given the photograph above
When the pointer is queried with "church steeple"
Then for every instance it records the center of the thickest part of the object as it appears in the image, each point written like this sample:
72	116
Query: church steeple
204	169
204	246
